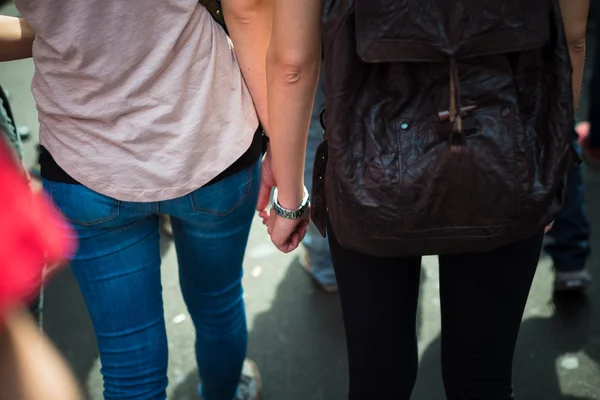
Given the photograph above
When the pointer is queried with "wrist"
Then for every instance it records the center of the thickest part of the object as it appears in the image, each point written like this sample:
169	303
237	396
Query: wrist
295	213
290	198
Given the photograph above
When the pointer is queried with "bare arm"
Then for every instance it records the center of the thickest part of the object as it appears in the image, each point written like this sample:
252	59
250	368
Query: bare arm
575	14
293	63
16	38
30	367
249	23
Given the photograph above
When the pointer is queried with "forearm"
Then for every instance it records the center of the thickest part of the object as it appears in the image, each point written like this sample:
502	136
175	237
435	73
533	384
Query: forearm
577	61
30	367
291	98
575	15
16	38
293	63
249	23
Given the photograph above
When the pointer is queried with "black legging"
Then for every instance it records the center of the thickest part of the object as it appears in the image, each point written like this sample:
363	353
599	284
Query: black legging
483	296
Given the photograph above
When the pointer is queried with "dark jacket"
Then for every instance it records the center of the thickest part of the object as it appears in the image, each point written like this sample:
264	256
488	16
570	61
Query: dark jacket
8	129
393	186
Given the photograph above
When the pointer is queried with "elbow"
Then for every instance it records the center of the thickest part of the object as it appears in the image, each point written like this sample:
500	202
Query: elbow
293	74
577	46
292	68
576	39
243	12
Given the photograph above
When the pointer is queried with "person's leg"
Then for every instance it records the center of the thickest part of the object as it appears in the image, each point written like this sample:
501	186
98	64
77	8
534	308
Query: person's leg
211	228
318	258
117	267
570	247
379	304
9	132
483	297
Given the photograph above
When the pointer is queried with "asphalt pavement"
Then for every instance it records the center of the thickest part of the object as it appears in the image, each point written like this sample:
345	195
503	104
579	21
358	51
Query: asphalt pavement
296	332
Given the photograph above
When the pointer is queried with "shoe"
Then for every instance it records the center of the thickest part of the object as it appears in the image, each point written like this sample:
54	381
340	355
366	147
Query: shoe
166	225
577	281
590	155
307	265
250	386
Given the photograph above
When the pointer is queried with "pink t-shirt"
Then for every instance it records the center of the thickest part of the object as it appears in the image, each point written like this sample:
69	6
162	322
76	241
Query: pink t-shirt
140	100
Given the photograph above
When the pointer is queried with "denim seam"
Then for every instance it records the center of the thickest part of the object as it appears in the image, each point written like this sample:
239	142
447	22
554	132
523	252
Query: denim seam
109	217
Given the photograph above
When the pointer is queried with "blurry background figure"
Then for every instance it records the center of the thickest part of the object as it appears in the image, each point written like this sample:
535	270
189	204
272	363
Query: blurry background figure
317	259
589	138
569	246
10	134
31	235
24	132
8	126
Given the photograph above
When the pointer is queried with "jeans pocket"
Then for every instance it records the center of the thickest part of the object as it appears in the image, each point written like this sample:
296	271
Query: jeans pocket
82	206
223	197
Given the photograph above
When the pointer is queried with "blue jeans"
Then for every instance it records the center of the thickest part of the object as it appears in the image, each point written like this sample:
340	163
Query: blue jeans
118	270
570	247
316	246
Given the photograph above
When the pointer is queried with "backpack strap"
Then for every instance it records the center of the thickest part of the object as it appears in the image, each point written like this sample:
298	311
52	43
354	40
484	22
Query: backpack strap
215	9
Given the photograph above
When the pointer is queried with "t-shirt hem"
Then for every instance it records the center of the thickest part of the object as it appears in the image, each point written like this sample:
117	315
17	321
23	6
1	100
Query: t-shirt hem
151	195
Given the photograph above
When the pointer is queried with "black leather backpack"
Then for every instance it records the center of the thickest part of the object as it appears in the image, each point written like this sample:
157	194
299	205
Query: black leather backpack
449	124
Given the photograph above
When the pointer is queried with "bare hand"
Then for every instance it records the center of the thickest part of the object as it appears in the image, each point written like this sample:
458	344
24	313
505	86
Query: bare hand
267	183
286	234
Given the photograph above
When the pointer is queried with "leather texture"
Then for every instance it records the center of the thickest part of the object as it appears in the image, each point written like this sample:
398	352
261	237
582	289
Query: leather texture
402	78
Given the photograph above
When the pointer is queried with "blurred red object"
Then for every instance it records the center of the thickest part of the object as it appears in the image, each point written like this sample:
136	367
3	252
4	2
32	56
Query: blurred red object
32	235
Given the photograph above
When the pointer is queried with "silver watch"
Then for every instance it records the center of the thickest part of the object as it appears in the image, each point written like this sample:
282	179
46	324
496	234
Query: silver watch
291	214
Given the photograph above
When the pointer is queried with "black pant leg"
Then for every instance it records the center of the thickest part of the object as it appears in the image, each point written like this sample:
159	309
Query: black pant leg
379	303
483	297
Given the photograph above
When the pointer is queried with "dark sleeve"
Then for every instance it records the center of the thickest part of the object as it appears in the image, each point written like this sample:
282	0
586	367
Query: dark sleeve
8	128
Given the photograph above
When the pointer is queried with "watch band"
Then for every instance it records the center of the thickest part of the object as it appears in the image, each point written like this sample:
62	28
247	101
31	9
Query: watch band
291	214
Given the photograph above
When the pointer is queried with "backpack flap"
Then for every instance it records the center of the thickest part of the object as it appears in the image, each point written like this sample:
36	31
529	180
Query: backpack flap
434	30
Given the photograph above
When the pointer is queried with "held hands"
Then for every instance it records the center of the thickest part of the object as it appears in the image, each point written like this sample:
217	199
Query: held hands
286	234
